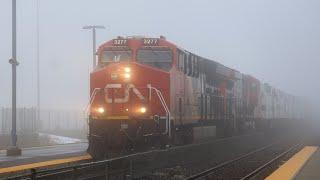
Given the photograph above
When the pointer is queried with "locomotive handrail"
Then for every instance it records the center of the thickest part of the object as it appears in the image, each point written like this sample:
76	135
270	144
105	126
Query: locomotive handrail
93	95
168	117
163	103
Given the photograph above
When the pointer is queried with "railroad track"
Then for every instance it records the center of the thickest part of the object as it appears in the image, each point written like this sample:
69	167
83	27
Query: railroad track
142	162
145	164
256	164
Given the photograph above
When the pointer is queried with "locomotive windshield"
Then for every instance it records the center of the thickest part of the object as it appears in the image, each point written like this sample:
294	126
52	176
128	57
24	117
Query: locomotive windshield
158	58
109	56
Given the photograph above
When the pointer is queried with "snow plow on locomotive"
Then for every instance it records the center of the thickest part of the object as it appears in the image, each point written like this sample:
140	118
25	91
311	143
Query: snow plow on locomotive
147	92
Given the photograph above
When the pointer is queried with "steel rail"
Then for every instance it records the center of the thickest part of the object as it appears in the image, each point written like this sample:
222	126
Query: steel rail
215	168
261	168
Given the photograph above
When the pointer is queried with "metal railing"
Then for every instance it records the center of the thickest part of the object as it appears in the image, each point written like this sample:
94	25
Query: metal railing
92	97
164	105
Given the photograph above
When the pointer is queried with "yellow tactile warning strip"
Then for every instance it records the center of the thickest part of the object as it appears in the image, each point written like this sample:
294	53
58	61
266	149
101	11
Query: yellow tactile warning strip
43	164
289	169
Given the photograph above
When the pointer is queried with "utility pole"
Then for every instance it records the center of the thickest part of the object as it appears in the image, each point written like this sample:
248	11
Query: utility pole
38	67
13	150
93	28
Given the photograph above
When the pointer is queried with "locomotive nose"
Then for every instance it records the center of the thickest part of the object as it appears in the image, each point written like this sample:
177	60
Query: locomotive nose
126	92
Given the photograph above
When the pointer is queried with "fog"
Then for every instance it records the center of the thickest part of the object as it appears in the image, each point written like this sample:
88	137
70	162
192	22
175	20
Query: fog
276	41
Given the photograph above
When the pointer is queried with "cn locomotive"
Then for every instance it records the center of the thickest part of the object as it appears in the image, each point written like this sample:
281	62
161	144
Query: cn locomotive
150	92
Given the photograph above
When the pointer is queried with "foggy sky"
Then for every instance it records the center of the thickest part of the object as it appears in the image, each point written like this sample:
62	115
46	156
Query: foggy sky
277	41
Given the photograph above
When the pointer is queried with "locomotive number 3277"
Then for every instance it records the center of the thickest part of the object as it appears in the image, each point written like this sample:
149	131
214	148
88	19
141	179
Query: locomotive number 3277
150	41
120	42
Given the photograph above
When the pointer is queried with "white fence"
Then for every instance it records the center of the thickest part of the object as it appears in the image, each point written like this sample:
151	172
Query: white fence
50	120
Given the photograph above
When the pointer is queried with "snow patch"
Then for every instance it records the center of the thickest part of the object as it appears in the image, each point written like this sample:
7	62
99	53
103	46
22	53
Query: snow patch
54	139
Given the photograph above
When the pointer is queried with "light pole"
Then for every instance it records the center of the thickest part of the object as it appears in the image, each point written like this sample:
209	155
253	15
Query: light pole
38	66
13	150
93	28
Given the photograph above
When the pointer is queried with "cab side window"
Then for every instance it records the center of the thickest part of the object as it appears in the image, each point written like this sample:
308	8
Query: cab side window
189	72
196	67
189	64
194	59
181	61
185	63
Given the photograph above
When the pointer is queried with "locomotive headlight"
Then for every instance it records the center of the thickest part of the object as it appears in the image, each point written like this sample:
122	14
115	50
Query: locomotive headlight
143	110
127	76
100	110
127	73
127	70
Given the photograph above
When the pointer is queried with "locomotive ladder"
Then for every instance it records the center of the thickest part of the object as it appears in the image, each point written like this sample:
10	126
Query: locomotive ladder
164	105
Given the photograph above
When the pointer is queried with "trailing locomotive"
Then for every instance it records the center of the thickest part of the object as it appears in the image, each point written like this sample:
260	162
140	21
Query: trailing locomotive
150	92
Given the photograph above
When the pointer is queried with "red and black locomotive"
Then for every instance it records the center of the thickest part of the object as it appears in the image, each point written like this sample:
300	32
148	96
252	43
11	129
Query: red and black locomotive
150	92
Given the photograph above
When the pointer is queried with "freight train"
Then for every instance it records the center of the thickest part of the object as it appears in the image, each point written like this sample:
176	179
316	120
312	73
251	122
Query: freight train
150	92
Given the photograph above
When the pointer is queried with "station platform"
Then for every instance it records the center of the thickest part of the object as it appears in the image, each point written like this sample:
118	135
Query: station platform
43	156
304	165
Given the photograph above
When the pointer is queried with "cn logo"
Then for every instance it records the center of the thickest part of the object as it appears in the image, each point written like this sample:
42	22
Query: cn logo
126	96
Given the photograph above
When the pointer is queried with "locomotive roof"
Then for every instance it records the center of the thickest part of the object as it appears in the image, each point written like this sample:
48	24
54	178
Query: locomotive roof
207	64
